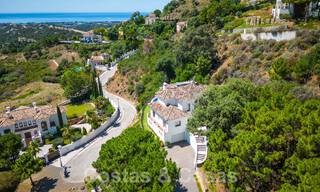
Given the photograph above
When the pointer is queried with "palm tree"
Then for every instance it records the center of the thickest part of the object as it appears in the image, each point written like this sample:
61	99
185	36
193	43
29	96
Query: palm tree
66	133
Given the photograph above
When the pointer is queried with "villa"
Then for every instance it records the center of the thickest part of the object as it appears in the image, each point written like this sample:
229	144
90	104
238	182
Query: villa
171	108
90	37
181	26
151	19
31	123
98	60
295	9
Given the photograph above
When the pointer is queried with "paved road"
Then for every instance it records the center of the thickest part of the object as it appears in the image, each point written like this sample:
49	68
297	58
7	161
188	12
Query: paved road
183	154
79	162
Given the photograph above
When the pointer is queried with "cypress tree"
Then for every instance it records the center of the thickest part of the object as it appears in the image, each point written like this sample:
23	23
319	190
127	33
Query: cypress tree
59	117
100	87
95	90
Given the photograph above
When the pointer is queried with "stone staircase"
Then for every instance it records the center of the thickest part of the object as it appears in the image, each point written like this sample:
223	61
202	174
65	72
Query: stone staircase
202	149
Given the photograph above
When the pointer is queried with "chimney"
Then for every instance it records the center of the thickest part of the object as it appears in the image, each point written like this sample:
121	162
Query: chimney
164	86
8	113
34	104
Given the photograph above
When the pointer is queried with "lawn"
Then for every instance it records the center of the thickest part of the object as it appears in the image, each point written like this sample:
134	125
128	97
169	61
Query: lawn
78	110
145	118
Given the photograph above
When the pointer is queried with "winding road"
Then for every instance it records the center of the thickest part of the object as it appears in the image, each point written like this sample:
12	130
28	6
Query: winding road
79	162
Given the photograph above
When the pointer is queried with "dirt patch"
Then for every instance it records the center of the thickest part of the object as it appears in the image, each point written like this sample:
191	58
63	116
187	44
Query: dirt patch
119	85
40	92
53	65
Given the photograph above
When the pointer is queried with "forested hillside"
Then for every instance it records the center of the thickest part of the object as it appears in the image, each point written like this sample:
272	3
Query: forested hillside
262	104
264	136
206	55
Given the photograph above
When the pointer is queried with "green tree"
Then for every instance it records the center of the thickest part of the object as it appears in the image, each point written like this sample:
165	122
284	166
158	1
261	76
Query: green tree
265	136
136	151
66	134
137	18
61	124
166	65
100	87
157	12
10	145
34	148
76	84
27	165
95	88
280	69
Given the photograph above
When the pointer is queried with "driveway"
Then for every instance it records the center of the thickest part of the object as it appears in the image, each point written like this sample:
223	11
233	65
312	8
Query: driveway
79	162
182	153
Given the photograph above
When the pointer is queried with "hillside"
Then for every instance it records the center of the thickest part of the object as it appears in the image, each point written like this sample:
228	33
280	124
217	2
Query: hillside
230	56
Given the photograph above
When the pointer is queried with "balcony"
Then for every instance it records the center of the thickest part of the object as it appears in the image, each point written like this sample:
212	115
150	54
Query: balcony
19	129
158	129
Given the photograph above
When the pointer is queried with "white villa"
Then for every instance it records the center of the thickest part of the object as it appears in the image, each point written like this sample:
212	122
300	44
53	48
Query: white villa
282	8
170	110
152	18
90	37
181	26
31	123
98	60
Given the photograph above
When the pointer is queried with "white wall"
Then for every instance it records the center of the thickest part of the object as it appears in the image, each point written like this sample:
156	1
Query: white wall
84	140
277	36
173	130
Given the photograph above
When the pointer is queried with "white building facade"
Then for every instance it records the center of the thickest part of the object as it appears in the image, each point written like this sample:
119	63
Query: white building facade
170	110
31	123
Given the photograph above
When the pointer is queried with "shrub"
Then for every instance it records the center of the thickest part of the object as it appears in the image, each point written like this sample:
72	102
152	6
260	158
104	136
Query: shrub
8	181
56	142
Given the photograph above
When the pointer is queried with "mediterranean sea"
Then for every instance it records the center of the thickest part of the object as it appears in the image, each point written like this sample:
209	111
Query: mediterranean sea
63	17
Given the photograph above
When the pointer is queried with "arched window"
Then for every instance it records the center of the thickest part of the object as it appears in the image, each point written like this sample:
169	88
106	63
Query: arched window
44	126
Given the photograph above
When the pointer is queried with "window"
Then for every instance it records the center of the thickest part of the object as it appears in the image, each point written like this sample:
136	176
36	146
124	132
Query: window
52	124
6	131
20	124
25	123
29	123
178	123
16	125
34	122
189	107
153	114
44	126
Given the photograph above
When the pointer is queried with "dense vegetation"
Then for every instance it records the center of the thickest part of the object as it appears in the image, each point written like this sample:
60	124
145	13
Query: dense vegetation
14	167
20	37
135	161
264	135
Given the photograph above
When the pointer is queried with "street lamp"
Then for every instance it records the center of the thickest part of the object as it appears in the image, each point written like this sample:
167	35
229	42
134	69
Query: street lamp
59	149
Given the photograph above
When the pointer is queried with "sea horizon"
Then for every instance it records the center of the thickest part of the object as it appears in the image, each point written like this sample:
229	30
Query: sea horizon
50	17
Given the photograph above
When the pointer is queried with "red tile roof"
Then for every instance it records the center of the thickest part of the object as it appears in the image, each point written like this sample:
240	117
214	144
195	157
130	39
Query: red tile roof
23	113
181	91
168	112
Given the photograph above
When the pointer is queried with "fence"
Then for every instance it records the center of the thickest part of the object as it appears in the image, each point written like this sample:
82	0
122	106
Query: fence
85	140
277	36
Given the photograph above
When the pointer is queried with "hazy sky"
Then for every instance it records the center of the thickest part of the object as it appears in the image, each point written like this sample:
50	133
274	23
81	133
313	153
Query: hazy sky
31	6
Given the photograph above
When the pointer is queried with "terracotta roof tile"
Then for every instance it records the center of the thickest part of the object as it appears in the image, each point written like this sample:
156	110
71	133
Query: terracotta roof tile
183	91
168	112
22	113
